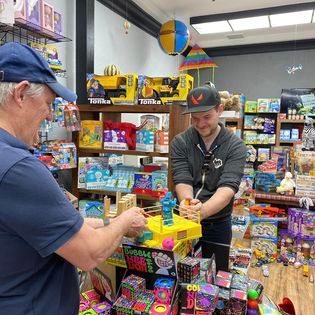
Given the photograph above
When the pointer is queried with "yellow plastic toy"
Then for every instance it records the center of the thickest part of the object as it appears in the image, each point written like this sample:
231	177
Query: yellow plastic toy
121	89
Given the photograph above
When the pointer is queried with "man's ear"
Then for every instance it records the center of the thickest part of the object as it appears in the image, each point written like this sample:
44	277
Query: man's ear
220	109
20	91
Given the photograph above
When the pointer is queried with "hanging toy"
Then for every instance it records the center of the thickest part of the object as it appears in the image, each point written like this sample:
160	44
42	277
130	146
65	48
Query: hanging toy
126	26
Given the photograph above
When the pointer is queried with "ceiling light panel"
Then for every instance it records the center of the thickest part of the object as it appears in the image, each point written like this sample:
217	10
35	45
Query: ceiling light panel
212	27
292	18
250	23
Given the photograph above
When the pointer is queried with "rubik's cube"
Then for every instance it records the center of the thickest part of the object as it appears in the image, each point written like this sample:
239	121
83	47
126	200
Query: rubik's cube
163	290
123	306
188	269
132	286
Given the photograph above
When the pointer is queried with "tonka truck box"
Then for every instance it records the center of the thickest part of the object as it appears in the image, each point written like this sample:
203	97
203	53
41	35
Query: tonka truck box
164	90
116	89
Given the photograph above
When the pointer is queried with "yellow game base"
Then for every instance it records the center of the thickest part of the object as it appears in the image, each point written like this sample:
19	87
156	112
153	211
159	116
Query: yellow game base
182	230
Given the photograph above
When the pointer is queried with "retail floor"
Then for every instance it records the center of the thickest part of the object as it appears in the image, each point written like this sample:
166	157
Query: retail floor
283	281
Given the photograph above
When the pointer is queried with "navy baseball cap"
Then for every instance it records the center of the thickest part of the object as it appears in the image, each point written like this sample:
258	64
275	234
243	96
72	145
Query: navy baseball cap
20	62
202	99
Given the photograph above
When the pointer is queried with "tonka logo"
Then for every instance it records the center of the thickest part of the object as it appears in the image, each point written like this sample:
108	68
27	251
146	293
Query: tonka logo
196	101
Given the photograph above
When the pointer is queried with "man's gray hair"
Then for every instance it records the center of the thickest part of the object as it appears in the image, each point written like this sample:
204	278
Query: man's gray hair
6	88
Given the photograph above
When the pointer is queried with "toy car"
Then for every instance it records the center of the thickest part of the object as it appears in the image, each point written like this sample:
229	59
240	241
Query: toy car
265	270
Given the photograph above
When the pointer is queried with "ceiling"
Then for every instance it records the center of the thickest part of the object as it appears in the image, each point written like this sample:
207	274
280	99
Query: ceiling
164	10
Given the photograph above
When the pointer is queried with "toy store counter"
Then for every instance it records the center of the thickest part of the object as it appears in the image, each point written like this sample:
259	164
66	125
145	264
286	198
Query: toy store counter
274	198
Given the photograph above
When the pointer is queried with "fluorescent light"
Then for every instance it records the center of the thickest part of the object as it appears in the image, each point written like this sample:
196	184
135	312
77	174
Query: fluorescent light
292	18
250	23
212	27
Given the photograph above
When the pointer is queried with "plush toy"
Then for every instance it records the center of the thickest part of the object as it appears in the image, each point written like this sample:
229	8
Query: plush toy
230	102
308	135
259	123
287	184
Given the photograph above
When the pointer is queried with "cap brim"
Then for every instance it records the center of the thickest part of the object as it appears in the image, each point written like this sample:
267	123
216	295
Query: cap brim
198	109
62	91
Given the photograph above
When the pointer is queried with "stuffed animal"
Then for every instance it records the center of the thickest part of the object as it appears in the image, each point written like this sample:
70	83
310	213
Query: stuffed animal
287	184
230	102
250	154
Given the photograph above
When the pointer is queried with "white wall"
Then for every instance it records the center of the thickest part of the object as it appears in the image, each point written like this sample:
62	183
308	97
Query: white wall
136	52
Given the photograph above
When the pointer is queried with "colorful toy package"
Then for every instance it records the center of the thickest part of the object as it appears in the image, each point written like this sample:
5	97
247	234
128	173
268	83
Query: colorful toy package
115	140
263	227
90	135
301	222
145	140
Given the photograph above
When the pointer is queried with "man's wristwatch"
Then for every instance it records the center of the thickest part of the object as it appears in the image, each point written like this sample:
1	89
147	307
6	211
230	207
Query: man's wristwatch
106	221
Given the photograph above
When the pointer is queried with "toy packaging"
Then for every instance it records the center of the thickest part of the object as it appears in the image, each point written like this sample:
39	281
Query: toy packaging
34	13
112	89
159	180
20	10
301	223
305	186
91	209
263	105
161	141
240	260
188	270
57	23
115	139
250	107
198	299
263	227
90	135
47	17
145	140
142	182
164	90
265	245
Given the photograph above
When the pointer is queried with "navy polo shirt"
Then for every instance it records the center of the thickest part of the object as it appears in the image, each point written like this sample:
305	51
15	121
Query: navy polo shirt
36	219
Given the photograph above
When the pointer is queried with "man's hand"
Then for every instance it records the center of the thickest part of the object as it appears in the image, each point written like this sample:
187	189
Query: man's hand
189	208
137	221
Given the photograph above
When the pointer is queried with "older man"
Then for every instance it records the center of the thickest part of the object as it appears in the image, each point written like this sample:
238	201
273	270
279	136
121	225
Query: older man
42	236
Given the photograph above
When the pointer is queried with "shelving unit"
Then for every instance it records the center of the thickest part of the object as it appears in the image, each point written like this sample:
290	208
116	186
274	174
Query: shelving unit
25	31
113	112
280	123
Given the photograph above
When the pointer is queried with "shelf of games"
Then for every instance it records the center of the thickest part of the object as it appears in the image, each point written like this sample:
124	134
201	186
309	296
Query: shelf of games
113	113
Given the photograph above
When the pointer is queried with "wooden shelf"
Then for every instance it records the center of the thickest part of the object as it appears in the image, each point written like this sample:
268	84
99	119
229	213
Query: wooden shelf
124	152
177	123
291	121
126	108
290	141
113	193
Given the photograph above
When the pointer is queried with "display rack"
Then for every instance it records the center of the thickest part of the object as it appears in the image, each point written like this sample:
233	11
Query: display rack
287	122
177	124
23	30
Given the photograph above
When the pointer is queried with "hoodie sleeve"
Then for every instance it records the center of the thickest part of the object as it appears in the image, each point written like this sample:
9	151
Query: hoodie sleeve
234	166
181	173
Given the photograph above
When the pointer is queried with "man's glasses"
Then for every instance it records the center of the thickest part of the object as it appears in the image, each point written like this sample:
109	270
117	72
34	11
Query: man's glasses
207	163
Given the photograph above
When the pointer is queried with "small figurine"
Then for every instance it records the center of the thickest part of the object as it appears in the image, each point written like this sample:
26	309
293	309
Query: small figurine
287	184
167	208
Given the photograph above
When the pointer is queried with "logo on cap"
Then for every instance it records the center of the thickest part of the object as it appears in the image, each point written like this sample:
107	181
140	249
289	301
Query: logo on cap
196	101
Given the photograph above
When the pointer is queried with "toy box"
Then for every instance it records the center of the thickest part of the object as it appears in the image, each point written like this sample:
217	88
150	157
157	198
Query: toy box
90	135
274	105
305	162
264	245
305	251
263	105
239	259
263	227
198	298
142	182
301	222
250	107
161	141
116	89
47	17
145	140
159	180
305	186
34	13
91	208
20	10
58	23
97	178
166	90
157	268
115	140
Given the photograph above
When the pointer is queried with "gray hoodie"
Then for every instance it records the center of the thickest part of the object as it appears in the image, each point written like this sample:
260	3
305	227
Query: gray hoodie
226	165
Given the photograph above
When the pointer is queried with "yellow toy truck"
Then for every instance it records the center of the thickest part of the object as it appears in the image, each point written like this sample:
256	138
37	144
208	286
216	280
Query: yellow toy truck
118	89
164	89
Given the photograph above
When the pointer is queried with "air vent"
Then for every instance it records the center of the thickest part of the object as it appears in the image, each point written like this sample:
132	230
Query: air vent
235	36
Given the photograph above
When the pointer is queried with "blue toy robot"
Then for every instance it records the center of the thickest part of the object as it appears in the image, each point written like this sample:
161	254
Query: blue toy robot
167	208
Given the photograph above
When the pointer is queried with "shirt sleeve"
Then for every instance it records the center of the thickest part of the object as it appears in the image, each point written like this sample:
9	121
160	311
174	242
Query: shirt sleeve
234	166
36	208
181	173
